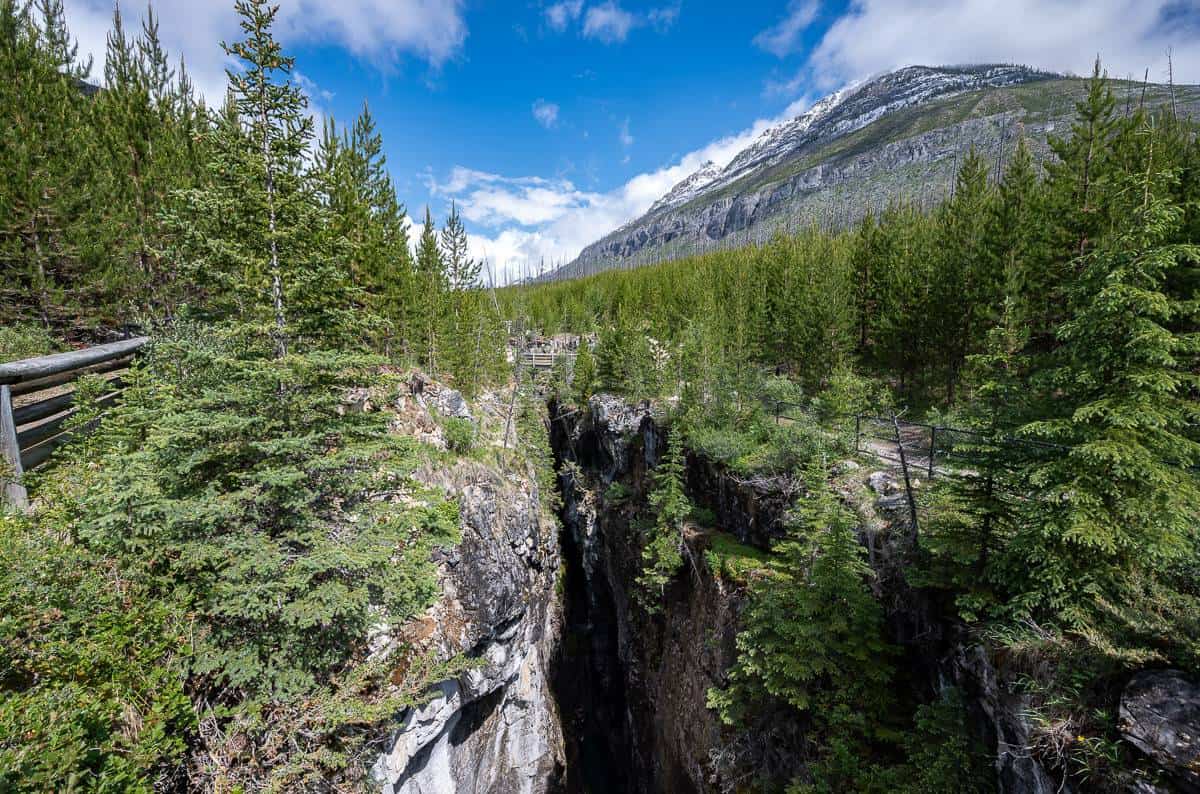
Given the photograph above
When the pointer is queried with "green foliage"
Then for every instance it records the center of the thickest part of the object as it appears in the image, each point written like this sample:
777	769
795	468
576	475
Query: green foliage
942	756
25	340
244	469
616	492
812	639
195	589
91	664
460	434
136	200
218	549
733	561
584	377
1119	500
812	632
534	433
665	546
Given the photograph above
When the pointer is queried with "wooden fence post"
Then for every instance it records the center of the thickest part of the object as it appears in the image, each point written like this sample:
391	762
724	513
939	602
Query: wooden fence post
14	492
932	448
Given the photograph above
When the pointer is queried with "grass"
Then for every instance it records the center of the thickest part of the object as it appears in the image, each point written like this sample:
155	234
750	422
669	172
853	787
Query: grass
733	561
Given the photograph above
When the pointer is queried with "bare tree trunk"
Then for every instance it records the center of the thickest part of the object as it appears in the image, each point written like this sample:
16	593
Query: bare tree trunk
276	278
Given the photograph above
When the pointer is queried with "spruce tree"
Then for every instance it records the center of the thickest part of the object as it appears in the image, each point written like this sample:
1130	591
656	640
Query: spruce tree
584	376
464	324
1014	229
966	286
812	638
1119	500
251	238
42	159
1077	206
664	549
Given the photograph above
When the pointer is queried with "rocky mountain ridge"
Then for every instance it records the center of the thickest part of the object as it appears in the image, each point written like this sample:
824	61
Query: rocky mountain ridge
898	136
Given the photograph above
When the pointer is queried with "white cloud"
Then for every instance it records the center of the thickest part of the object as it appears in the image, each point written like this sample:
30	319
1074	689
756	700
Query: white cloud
546	113
661	19
530	220
560	15
783	37
382	31
623	134
1061	35
608	23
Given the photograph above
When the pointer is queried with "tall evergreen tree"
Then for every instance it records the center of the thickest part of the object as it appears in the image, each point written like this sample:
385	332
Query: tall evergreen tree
1121	500
431	284
41	113
966	285
250	237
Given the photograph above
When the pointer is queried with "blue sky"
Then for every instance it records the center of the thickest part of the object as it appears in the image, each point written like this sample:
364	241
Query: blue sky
551	122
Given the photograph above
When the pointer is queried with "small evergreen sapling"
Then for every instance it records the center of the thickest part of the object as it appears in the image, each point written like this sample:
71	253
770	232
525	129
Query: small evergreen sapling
665	547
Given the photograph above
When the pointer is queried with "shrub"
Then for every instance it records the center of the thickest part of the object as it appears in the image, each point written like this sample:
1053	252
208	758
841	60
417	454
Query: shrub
25	340
460	434
93	667
616	492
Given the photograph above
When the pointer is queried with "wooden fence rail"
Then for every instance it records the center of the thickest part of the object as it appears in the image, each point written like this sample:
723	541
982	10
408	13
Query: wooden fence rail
36	402
541	360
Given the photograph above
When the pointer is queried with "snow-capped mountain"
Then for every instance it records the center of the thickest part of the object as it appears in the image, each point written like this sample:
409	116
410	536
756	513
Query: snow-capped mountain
898	136
689	188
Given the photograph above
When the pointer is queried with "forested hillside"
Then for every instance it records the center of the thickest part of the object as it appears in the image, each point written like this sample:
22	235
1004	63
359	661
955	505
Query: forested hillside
1053	311
898	136
292	557
187	606
136	201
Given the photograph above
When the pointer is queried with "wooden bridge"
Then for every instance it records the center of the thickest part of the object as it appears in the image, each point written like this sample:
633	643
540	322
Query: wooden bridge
37	399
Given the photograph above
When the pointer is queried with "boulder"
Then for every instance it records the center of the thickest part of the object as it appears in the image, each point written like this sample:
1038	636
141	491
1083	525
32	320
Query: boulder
1160	716
882	483
449	402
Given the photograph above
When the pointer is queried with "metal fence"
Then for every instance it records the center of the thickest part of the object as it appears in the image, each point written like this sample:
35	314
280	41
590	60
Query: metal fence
927	449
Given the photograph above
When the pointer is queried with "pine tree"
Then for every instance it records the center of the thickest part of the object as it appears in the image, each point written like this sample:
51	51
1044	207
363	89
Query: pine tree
812	638
1120	499
1077	195
979	510
135	128
584	376
1013	230
465	345
41	119
251	238
431	284
665	547
966	287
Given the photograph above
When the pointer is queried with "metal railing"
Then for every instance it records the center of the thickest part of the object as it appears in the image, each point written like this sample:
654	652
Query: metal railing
926	448
36	400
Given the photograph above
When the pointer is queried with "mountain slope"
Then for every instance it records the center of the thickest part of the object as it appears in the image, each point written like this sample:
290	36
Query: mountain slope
897	136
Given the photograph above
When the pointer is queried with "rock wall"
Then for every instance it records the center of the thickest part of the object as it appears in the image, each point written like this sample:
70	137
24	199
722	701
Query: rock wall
634	701
632	685
495	729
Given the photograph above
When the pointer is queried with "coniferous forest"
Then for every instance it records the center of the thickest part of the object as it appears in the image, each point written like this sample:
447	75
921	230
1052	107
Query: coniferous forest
188	579
192	602
1049	307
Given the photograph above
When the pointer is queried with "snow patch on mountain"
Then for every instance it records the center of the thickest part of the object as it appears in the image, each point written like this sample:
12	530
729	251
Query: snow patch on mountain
683	192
